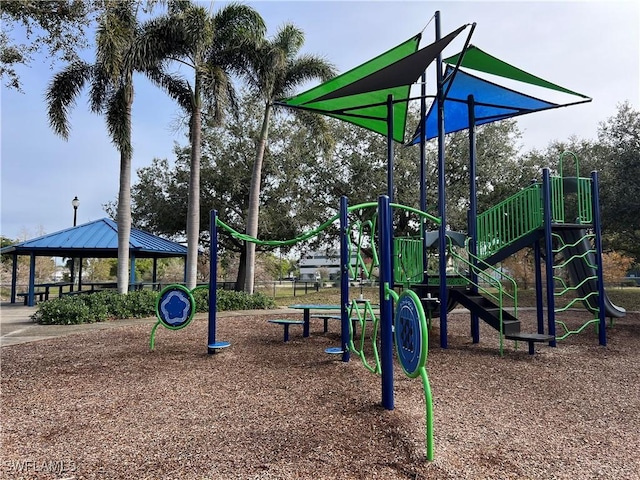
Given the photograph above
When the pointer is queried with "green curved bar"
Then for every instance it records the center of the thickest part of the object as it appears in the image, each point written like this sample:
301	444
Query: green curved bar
573	332
428	399
305	236
428	403
152	340
362	316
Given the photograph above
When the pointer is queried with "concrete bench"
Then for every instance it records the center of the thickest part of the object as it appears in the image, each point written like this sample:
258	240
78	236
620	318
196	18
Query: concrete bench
286	323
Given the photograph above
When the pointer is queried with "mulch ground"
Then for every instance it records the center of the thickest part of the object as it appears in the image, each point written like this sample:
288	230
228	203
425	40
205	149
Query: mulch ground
102	406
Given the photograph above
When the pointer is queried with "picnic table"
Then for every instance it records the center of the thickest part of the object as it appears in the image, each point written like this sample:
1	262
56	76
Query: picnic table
306	313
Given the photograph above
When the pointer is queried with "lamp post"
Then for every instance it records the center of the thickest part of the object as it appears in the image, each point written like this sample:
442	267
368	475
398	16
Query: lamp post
75	203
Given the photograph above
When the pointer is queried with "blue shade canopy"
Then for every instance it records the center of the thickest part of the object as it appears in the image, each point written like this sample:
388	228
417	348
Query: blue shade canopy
492	103
97	239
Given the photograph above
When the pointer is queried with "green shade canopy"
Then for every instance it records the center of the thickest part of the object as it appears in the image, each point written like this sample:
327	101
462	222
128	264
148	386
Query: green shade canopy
360	95
476	59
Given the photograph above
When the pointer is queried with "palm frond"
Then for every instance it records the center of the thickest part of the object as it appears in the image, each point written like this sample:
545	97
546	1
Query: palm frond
289	39
218	92
62	92
118	118
236	23
158	39
301	70
176	87
100	90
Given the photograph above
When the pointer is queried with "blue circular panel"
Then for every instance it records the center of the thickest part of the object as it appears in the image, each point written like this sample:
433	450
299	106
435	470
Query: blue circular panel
175	307
410	334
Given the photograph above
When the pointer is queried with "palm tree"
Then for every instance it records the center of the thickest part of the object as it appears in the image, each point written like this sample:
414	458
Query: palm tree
275	70
110	80
211	45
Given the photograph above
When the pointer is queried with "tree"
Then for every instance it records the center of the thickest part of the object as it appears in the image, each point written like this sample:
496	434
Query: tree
57	26
291	183
275	70
211	45
615	266
616	156
111	93
619	138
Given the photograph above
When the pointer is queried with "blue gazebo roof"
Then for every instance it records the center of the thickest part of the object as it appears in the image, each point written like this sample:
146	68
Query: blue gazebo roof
97	239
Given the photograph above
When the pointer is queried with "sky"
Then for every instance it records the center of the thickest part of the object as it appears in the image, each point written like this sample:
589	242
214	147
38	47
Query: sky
591	47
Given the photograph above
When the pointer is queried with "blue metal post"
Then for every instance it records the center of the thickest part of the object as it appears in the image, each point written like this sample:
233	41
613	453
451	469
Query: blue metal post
31	300
212	344
537	255
423	173
345	259
548	245
442	243
602	331
473	213
386	314
390	147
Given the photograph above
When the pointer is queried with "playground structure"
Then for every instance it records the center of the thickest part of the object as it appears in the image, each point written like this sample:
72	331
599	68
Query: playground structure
556	217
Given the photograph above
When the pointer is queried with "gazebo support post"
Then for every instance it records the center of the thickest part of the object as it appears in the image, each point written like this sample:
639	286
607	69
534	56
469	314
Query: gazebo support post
80	274
132	272
31	301
14	277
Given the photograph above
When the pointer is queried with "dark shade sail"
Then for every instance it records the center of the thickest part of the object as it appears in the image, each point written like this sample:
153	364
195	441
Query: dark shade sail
359	96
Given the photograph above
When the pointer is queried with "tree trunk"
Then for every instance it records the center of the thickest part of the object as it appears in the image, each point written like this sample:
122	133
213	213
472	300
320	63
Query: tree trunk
193	210
124	205
242	270
254	200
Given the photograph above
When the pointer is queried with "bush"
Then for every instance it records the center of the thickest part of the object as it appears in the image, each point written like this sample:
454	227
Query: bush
232	300
95	307
100	306
63	311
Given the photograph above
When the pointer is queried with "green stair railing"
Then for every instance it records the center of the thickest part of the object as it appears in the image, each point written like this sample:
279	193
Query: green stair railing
509	220
584	210
490	282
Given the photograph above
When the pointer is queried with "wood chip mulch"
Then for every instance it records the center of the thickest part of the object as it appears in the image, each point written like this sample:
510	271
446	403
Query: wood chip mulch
100	405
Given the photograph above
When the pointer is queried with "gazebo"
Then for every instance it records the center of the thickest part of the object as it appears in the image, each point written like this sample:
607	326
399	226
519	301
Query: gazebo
97	239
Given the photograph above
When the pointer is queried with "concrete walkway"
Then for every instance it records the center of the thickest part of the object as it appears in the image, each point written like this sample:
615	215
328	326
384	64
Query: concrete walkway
16	326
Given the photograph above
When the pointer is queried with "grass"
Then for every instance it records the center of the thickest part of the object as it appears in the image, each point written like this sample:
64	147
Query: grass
628	297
